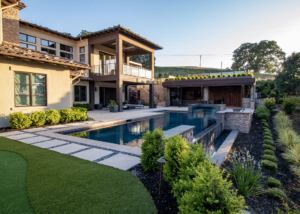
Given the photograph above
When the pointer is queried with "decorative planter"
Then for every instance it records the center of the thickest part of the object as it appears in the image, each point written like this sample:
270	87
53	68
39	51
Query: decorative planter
113	109
98	106
155	105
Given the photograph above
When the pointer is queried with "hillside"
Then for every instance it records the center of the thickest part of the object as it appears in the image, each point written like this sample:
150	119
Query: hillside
165	71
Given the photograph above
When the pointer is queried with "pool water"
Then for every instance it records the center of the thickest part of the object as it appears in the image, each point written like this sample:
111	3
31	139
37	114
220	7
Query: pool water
130	134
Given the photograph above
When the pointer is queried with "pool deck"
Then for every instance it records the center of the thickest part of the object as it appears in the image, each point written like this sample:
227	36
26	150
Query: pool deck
114	155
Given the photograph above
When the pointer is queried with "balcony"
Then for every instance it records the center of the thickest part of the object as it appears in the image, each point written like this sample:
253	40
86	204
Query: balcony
104	70
137	71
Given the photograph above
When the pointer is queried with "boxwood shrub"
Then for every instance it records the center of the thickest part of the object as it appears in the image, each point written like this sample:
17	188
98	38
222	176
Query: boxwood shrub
205	77
38	118
270	103
224	75
262	112
18	120
267	146
198	77
189	78
52	117
79	114
275	193
193	77
290	104
229	75
209	76
269	152
272	182
234	75
66	115
270	158
219	76
270	142
269	165
268	137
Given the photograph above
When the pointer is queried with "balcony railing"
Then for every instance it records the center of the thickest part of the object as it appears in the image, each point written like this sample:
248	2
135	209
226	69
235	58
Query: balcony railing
104	70
137	72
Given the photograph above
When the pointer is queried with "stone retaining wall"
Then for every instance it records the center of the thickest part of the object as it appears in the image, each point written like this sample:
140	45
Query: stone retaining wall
246	102
239	121
259	101
207	136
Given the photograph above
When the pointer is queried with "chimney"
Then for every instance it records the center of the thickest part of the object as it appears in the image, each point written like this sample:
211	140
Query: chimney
10	24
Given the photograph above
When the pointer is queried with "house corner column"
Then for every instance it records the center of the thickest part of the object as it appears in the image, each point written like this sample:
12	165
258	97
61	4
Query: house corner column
92	94
119	57
151	95
151	64
119	94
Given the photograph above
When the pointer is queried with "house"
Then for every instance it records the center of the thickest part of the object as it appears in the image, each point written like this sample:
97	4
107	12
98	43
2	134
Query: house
44	69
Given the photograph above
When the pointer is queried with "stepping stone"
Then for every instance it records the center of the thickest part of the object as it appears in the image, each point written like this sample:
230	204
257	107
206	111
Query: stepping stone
121	161
10	133
21	136
36	130
66	149
92	154
50	143
35	139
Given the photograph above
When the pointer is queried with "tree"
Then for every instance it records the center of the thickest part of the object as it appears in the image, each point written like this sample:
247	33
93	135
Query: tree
288	81
143	59
67	34
264	56
83	32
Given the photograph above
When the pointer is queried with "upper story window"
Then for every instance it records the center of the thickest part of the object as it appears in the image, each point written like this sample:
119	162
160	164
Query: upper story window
49	51
48	43
82	57
27	38
82	50
66	48
66	55
24	45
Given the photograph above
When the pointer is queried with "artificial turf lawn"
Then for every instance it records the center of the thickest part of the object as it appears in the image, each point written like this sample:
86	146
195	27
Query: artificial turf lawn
59	183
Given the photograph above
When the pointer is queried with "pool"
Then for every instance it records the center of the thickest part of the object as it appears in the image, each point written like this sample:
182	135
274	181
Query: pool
130	134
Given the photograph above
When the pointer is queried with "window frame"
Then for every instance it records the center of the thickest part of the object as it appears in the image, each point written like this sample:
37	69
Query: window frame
50	50
48	43
83	49
64	50
66	53
27	38
30	89
27	46
80	57
86	92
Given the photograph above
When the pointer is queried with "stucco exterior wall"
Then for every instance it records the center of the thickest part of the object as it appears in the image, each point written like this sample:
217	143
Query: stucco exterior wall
58	86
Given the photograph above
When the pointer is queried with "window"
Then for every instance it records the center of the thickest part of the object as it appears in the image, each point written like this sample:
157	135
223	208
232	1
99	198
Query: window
48	43
81	49
82	58
49	51
80	93
66	55
32	47
27	38
30	89
66	48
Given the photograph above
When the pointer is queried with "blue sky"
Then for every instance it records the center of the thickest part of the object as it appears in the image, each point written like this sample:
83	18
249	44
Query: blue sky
188	28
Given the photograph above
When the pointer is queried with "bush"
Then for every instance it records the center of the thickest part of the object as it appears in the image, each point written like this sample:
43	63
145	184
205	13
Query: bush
205	77
176	148
229	75
269	152
79	114
198	77
189	78
290	104
193	77
270	142
288	137
66	115
268	134
262	112
269	103
183	78
152	149
263	120
280	100
209	76
214	76
219	76
239	75
243	74
282	121
267	146
88	106
18	120
38	118
52	117
292	155
269	165
208	192
224	75
270	158
273	94
272	182
234	75
252	75
275	193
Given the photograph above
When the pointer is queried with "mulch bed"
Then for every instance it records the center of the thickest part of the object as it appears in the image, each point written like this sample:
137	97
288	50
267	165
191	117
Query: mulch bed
253	142
164	202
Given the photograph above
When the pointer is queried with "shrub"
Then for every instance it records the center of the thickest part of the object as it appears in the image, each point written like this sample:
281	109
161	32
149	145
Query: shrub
290	104
18	120
269	152
262	112
269	103
288	209
183	78
176	147
66	115
288	137
280	100
88	106
239	75
270	158
219	76
267	146
167	79
224	75
79	114
52	117
270	142
38	118
229	75
246	173
252	75
268	134
201	77
189	78
263	120
205	77
198	77
282	121
272	182
292	155
275	193
214	76
209	76
208	192
193	77
152	149
234	75
269	165
272	94
243	74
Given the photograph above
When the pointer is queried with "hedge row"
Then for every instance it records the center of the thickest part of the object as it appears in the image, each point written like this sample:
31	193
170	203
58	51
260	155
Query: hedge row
209	76
18	120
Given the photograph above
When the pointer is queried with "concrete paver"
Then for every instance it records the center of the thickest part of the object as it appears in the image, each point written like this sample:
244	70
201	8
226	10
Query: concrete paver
35	130
21	136
35	139
92	154
121	161
10	133
50	143
69	148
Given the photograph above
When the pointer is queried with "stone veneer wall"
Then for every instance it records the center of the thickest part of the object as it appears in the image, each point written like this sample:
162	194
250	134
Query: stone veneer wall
188	135
159	91
207	136
10	23
246	102
259	101
239	121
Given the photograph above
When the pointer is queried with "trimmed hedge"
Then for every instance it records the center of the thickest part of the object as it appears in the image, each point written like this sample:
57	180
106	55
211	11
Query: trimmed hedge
270	142
52	117
88	106
38	118
18	120
275	193
269	165
268	137
269	152
267	146
262	112
272	182
270	158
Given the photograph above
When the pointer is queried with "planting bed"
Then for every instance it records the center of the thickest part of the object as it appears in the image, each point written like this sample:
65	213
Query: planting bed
253	142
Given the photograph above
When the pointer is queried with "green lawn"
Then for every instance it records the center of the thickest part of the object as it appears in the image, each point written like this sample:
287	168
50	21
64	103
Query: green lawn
58	183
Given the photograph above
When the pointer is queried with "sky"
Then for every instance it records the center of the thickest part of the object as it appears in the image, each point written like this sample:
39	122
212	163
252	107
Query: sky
185	29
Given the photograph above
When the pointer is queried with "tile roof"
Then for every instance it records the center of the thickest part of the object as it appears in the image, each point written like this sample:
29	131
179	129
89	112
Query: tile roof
14	51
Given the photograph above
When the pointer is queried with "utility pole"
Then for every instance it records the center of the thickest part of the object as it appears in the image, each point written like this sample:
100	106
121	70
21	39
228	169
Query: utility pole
200	61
